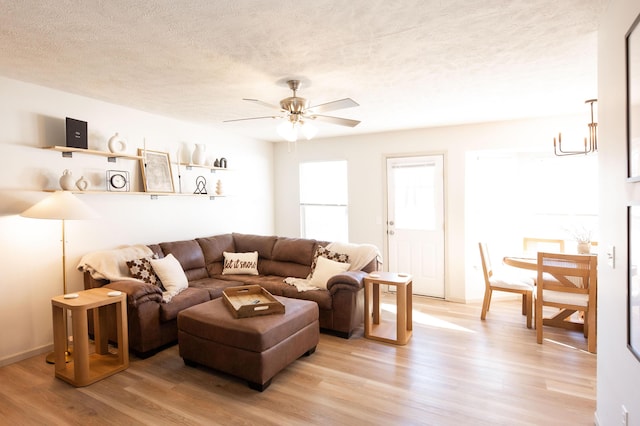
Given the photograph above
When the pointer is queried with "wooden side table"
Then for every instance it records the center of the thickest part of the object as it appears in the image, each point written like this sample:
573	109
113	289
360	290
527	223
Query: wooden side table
374	327
85	367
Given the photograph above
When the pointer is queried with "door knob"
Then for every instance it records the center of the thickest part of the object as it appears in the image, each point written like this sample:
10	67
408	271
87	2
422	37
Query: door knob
391	223
391	233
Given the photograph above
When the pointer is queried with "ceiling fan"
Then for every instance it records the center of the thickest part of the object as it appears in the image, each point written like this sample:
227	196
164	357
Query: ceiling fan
298	114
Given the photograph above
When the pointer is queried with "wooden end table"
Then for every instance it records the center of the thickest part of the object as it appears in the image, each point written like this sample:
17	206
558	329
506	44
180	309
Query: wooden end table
385	331
85	367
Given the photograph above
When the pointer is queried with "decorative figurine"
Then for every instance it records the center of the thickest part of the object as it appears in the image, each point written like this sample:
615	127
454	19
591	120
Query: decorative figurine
82	184
201	185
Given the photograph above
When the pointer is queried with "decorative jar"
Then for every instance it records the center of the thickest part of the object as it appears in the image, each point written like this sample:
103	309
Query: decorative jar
66	180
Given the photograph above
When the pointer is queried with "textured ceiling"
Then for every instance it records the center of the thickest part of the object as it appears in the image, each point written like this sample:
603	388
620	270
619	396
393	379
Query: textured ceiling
408	64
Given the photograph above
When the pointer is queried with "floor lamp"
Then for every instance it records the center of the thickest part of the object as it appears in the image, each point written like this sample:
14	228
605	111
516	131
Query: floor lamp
61	205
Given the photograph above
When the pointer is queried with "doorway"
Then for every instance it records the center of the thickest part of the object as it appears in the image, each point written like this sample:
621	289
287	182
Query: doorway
415	221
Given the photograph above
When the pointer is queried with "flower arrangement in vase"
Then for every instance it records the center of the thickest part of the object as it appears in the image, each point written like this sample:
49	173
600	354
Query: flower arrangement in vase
582	236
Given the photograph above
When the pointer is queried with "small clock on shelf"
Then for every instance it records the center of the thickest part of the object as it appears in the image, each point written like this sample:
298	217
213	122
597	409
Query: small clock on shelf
118	180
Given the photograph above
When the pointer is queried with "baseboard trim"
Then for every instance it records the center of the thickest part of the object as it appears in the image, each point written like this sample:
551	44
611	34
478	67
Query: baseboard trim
24	355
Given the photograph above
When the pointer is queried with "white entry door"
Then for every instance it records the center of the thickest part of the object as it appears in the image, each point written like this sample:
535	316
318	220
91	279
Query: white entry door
415	221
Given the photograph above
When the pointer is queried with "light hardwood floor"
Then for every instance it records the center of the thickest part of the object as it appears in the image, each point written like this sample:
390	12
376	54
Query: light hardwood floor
456	370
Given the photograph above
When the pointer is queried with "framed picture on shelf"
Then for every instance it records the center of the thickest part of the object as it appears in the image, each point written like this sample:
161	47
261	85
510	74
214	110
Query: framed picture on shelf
117	180
156	171
633	290
633	101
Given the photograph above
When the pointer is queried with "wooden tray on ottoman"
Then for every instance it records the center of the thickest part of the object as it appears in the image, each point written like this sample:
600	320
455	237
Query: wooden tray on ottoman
250	301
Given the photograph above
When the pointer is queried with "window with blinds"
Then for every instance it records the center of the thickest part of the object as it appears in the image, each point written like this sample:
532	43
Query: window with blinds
324	201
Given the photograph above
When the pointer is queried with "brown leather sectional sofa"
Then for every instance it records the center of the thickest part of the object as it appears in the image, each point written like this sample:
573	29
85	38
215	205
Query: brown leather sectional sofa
153	324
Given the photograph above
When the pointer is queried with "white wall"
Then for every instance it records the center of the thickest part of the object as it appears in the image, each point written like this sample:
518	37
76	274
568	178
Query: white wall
618	370
367	200
32	117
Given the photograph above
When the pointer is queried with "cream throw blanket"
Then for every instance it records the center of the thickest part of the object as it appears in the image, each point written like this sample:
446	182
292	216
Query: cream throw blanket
359	256
112	264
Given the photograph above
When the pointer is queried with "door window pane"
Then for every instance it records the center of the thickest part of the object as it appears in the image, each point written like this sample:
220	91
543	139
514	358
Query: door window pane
414	196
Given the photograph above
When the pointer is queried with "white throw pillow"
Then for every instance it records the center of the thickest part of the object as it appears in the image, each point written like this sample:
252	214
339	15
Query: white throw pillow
325	269
240	263
170	272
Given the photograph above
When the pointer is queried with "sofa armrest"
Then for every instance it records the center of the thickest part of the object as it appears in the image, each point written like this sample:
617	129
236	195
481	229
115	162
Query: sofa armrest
137	292
350	280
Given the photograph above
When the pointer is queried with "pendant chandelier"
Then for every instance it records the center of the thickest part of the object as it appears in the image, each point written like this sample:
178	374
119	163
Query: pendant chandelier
590	145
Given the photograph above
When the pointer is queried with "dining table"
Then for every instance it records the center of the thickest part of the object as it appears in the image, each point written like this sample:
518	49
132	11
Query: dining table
521	262
561	318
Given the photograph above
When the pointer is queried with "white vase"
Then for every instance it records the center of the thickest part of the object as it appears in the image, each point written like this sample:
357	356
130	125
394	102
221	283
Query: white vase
117	144
66	181
199	155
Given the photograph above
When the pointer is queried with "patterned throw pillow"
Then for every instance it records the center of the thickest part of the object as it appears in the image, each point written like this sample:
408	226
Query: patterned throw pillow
331	255
142	270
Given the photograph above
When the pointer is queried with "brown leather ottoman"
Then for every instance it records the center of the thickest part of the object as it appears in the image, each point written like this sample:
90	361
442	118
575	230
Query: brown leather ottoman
254	349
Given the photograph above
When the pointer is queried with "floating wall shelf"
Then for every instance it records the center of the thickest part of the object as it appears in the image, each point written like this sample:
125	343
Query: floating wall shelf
190	166
153	195
67	152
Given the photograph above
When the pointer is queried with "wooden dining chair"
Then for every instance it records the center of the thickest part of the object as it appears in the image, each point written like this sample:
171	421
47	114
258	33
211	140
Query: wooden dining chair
505	280
567	282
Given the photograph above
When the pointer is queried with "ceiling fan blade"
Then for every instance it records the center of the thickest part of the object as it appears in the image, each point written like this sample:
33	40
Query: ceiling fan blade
251	118
336	120
334	105
264	104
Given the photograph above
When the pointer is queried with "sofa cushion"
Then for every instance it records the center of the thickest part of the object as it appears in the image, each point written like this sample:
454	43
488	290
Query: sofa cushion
189	297
240	263
156	249
214	247
214	286
291	258
283	269
260	243
322	297
273	284
295	250
190	256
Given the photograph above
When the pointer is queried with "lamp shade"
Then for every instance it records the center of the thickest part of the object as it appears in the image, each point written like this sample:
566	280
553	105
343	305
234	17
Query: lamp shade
60	205
309	130
288	131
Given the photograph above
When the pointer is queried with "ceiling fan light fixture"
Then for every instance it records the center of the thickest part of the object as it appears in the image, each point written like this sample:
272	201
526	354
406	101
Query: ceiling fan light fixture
308	129
297	114
287	130
294	105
